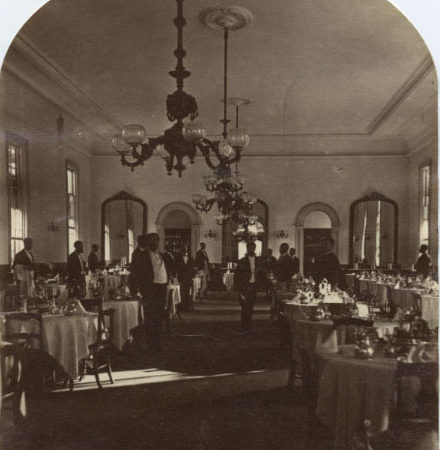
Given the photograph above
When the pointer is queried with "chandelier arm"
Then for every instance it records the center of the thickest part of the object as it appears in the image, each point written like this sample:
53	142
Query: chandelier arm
131	164
147	150
205	146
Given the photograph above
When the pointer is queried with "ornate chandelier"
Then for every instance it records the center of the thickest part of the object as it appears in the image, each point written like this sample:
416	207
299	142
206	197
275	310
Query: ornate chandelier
228	149
232	202
171	146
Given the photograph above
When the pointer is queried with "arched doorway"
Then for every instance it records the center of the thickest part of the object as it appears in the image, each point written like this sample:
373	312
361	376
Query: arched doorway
178	224
314	222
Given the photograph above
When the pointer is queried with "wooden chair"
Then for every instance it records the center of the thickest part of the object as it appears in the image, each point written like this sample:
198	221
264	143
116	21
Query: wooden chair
11	376
99	358
24	327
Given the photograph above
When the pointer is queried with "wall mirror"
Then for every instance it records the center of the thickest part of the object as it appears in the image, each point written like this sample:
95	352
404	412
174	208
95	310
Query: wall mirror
374	231
123	219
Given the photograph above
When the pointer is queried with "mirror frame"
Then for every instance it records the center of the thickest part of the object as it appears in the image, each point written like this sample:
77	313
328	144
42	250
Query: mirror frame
374	196
122	195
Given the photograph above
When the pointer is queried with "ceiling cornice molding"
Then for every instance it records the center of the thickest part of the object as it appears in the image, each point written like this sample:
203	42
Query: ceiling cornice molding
33	134
402	93
279	157
426	141
36	57
14	71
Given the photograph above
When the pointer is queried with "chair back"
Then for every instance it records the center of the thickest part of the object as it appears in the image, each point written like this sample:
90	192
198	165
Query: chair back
348	327
427	399
24	327
105	326
11	367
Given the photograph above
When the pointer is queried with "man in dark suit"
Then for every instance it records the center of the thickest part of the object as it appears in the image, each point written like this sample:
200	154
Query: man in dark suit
76	270
24	268
295	259
424	263
327	265
170	260
93	260
150	276
247	277
185	274
285	267
202	264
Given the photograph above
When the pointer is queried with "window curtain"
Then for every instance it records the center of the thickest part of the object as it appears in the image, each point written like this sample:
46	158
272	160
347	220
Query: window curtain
387	234
370	233
359	214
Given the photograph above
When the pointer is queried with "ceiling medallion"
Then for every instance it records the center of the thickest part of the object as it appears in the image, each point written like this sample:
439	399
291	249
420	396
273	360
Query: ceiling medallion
230	17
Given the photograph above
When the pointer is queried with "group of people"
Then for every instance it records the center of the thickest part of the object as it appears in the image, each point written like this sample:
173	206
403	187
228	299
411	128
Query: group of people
150	273
253	274
24	267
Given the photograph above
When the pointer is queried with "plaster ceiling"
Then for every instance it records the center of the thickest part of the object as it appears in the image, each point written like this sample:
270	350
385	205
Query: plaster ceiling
311	67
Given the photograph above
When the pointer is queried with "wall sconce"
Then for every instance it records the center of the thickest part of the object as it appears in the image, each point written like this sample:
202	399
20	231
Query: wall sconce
282	234
52	226
210	234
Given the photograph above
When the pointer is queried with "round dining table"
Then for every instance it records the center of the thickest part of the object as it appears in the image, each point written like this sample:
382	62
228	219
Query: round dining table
67	338
126	317
173	298
352	390
228	281
429	308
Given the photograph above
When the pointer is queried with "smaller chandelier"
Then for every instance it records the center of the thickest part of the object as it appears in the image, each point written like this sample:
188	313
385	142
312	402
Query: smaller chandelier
227	150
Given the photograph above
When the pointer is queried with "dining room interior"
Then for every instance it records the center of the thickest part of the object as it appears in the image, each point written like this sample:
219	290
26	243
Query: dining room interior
219	227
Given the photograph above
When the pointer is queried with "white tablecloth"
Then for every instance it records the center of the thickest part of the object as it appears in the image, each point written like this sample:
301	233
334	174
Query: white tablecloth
321	336
352	390
197	284
126	317
173	297
228	281
404	298
67	339
430	310
110	282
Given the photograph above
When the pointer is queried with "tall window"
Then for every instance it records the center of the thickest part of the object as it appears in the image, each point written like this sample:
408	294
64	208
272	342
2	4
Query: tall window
72	205
425	190
16	185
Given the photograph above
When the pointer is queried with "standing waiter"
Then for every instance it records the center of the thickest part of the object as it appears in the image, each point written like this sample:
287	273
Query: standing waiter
247	276
150	275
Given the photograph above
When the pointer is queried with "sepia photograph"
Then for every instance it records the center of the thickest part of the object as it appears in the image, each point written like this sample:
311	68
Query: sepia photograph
219	224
